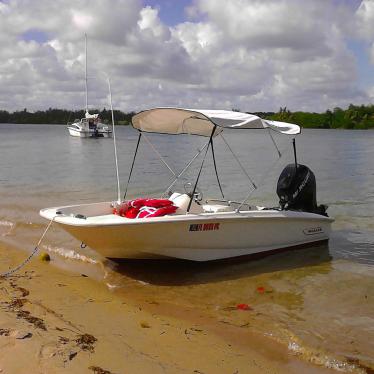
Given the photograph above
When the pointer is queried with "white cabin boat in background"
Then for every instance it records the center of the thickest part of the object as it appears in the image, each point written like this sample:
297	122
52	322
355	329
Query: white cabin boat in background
90	126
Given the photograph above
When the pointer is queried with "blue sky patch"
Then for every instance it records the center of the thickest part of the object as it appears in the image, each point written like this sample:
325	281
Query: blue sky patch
35	35
365	69
171	12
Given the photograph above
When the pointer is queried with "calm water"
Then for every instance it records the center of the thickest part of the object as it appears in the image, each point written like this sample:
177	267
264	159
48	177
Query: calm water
319	301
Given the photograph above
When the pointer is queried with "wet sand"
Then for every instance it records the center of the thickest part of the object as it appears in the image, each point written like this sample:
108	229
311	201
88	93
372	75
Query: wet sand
53	321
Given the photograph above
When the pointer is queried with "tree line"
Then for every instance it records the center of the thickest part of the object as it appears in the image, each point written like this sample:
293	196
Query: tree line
61	116
354	117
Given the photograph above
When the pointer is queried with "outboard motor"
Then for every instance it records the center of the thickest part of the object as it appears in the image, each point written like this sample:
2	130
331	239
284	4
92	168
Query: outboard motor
296	189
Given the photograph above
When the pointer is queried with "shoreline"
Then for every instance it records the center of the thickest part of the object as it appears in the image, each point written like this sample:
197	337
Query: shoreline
52	321
128	124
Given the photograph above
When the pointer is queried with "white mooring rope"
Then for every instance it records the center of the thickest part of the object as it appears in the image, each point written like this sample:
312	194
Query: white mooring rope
12	271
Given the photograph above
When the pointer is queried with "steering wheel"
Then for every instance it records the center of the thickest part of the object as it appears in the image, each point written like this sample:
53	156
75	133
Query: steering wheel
198	195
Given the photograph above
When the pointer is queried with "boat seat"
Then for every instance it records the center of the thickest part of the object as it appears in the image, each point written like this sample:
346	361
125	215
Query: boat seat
182	201
215	208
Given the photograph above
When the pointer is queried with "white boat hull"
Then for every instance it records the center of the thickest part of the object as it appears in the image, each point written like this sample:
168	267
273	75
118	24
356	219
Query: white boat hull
198	237
89	134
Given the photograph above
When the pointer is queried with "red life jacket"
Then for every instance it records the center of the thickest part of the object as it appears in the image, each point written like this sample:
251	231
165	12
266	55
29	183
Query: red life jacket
145	208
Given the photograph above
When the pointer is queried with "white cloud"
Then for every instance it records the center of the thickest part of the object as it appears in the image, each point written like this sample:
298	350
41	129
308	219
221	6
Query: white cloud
259	24
82	21
247	54
365	19
365	24
149	21
276	52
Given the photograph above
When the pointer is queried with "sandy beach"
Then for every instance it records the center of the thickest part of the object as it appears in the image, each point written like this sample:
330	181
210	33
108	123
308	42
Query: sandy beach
52	321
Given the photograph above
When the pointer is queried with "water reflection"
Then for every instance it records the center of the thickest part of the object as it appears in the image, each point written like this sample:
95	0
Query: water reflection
182	273
356	245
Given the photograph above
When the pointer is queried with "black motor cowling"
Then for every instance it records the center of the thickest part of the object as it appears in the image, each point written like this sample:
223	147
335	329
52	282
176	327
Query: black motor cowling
296	189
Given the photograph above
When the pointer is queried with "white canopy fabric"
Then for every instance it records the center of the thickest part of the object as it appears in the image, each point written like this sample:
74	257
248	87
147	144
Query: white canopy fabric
201	122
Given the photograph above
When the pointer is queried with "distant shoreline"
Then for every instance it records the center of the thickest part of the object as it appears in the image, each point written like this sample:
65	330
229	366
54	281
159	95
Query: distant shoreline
127	124
53	124
355	117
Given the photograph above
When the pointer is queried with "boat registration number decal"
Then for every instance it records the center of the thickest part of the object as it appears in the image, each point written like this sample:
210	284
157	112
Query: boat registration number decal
204	227
313	231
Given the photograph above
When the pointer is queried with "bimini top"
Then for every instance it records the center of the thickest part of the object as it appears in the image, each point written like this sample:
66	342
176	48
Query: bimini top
201	122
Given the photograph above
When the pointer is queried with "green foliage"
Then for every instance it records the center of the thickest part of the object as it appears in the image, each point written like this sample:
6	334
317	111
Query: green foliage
355	117
61	116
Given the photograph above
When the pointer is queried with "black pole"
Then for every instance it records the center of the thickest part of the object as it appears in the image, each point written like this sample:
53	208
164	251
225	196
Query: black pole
215	168
132	165
201	168
294	151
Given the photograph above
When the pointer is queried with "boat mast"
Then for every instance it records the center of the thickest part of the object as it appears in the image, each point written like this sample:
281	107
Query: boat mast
85	44
114	141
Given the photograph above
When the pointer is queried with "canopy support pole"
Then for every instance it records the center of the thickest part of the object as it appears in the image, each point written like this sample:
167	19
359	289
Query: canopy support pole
274	143
239	163
244	201
294	151
159	156
132	165
215	169
187	166
261	181
201	168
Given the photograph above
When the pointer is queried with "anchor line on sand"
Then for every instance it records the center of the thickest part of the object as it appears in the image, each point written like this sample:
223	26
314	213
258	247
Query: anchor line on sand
22	264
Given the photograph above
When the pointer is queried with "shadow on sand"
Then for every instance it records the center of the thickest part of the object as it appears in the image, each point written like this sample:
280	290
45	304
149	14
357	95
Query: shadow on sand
172	272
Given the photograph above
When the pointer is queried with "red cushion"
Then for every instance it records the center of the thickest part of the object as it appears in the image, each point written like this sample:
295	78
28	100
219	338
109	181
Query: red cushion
131	213
151	208
149	212
154	203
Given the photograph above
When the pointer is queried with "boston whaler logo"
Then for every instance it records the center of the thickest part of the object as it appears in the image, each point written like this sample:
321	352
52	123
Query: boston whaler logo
313	231
204	227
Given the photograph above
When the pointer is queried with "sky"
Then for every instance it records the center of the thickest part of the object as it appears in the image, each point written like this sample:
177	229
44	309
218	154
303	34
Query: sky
251	55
